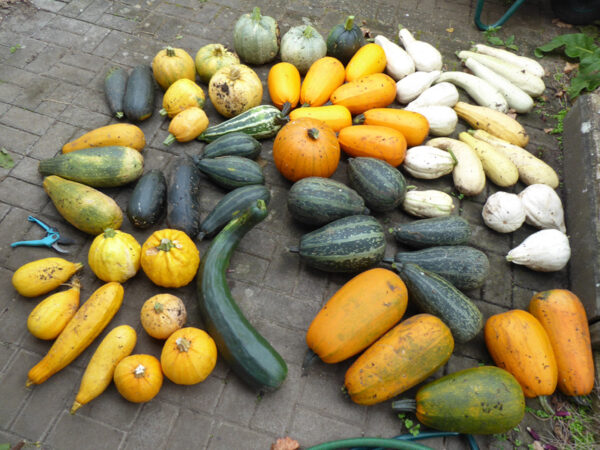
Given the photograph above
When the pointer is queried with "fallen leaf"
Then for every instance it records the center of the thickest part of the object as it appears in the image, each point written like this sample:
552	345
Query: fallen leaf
286	443
537	445
366	32
560	94
560	24
548	130
450	30
569	67
6	161
512	114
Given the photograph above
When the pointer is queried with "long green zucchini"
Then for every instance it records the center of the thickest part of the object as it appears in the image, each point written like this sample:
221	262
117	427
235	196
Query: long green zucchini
445	230
248	353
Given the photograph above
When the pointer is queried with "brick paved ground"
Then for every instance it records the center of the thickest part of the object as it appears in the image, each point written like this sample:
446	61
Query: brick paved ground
51	91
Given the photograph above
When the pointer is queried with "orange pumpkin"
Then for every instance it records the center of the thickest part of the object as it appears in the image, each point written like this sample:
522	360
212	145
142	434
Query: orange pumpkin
375	142
162	314
188	356
562	315
336	116
376	90
306	148
138	378
519	344
284	84
324	76
413	126
172	64
170	258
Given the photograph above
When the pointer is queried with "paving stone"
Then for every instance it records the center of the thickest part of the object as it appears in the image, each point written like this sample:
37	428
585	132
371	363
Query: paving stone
226	435
51	142
191	430
111	44
12	387
235	393
285	310
70	74
9	92
94	11
312	428
75	8
32	96
49	5
497	288
26	120
289	343
83	118
152	426
66	433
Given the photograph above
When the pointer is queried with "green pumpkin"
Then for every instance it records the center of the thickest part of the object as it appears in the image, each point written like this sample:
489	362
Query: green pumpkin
211	58
256	38
344	40
301	46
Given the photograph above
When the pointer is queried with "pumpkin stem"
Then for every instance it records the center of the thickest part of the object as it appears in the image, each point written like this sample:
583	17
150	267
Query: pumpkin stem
349	23
359	120
293	249
169	140
411	187
183	344
139	371
119	115
165	245
218	51
388	260
313	133
163	112
75	407
170	51
453	156
234	73
546	404
308	32
158	307
109	233
406	405
256	14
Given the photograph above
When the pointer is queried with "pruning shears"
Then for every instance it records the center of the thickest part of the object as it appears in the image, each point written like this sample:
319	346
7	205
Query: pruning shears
52	238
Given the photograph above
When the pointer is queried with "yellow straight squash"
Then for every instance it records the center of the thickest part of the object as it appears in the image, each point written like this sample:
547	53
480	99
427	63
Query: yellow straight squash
123	134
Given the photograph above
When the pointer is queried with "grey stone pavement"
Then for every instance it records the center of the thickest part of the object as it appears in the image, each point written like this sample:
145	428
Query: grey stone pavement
53	59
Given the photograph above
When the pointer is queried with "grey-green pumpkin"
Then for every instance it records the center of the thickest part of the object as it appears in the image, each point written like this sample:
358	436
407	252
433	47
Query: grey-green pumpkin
256	38
301	46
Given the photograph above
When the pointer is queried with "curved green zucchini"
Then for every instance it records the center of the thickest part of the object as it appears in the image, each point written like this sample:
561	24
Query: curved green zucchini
183	197
232	205
435	295
138	103
248	353
463	266
147	202
381	185
317	201
97	166
232	144
349	244
114	90
445	230
231	172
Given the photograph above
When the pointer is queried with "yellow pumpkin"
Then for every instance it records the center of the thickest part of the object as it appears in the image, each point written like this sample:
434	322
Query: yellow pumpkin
187	125
170	258
172	64
138	378
181	95
114	256
234	89
188	356
163	314
211	58
52	314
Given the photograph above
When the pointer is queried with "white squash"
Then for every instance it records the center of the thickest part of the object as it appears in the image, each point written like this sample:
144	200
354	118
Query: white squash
528	64
429	203
543	207
301	46
427	162
444	94
399	63
427	58
478	89
442	119
503	212
412	85
544	251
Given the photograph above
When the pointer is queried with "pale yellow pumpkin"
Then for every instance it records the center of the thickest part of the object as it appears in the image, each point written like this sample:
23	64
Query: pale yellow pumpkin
114	256
163	314
234	89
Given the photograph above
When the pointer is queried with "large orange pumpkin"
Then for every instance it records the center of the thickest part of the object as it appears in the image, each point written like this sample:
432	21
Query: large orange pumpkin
306	147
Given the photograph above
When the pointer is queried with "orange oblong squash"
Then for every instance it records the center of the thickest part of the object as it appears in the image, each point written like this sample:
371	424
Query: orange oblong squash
563	316
376	90
324	76
519	344
336	116
370	58
374	141
412	125
357	315
284	84
403	357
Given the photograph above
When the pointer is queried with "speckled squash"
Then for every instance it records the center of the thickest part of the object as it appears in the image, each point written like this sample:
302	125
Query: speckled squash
234	89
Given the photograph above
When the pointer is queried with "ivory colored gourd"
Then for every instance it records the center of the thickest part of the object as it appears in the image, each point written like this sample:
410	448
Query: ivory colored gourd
563	316
121	134
234	89
114	256
52	314
43	275
370	58
519	344
360	312
117	344
413	126
374	141
336	116
163	314
138	378
376	90
324	76
284	84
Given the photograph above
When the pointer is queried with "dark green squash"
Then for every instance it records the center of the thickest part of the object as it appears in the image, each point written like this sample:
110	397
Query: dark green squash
115	84
248	353
344	40
183	197
138	103
147	202
381	185
232	144
445	230
231	172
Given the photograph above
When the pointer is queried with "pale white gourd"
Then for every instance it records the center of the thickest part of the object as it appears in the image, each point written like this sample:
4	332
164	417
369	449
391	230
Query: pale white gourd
427	58
478	89
543	207
399	63
427	162
503	212
301	46
516	98
442	119
528	64
544	251
429	203
444	94
412	85
531	84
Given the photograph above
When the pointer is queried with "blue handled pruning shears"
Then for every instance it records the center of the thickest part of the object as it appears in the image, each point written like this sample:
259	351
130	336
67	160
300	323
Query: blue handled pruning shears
51	240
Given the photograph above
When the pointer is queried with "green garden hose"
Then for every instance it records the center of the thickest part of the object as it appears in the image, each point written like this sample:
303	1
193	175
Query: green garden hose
369	442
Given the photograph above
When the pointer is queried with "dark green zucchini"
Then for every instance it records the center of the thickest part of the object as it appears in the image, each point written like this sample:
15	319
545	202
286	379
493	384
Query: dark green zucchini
248	353
445	230
183	197
231	172
463	266
232	144
232	205
317	201
381	185
349	244
435	295
114	90
138	103
146	204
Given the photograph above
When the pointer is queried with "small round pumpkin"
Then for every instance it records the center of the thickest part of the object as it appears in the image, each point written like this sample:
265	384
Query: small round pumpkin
344	40
114	256
301	46
172	64
163	314
234	89
256	38
170	258
306	147
182	94
138	378
188	356
211	58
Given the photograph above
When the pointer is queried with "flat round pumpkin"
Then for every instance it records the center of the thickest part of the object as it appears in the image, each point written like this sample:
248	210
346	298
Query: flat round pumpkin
188	356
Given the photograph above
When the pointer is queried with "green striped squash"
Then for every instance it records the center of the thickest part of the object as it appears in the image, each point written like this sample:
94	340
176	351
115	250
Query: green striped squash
232	144
445	230
381	185
231	172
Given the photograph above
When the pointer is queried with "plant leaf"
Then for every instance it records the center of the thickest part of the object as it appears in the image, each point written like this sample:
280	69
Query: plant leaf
576	45
6	161
494	40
